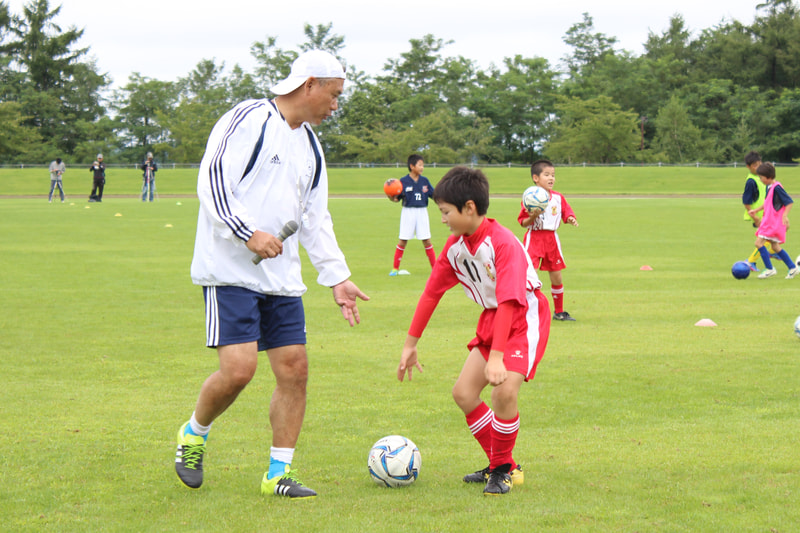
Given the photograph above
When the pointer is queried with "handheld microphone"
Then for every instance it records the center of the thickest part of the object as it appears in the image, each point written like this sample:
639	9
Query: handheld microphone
286	231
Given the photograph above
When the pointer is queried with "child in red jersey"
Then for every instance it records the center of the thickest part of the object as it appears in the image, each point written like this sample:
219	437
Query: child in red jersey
541	239
496	272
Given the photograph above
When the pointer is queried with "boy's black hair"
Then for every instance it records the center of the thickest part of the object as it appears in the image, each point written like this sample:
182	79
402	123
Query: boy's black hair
752	157
462	184
413	159
538	166
767	170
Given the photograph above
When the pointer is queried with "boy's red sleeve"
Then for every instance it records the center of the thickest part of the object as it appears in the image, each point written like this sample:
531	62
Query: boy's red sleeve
502	324
566	210
425	307
523	215
441	279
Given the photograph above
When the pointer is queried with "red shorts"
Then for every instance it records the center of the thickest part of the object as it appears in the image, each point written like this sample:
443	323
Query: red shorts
545	250
527	339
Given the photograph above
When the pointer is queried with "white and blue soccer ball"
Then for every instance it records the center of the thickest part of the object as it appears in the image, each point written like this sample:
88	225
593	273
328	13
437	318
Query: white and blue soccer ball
394	461
535	197
797	326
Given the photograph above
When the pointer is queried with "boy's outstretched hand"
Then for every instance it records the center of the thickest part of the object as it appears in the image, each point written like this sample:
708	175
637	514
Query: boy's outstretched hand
408	359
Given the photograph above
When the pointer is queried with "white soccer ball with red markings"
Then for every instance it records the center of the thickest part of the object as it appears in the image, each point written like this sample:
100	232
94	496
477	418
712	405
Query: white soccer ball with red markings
394	461
535	197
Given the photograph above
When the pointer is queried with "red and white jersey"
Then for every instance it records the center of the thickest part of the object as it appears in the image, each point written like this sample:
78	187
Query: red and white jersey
557	211
491	265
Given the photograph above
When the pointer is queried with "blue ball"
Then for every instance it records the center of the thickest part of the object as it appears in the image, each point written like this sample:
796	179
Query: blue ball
740	270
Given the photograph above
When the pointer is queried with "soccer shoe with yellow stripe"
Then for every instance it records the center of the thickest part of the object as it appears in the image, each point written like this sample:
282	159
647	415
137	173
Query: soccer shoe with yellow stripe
286	485
482	476
499	481
189	458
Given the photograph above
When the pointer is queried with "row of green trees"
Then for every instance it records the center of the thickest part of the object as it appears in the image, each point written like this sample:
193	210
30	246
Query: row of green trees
710	97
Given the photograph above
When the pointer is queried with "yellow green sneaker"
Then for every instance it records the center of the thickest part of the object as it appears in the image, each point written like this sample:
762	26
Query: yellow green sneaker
286	485
189	458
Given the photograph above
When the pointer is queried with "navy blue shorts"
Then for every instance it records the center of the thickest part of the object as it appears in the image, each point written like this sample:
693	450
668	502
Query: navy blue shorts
235	315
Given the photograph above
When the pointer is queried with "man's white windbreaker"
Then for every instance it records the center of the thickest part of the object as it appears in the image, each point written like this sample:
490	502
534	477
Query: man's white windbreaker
258	173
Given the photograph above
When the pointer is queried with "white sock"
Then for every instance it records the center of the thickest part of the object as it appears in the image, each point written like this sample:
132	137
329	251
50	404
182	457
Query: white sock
197	429
284	455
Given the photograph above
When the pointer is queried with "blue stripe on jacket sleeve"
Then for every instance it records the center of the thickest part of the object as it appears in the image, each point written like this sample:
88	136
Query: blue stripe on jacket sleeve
216	176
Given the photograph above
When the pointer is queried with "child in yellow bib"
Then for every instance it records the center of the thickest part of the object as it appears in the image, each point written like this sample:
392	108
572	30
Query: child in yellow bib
753	198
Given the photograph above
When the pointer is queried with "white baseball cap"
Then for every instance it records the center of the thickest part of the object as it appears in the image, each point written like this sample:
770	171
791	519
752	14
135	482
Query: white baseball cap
99	156
314	63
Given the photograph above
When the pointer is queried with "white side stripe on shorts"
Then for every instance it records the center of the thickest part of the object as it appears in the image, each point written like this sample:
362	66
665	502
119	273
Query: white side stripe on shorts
533	320
212	317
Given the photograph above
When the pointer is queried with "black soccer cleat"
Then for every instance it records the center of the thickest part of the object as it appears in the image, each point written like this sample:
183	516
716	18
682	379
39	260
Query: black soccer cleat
563	316
499	482
477	477
482	476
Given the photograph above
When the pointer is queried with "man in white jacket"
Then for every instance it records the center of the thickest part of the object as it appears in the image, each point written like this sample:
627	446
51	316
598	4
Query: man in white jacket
263	168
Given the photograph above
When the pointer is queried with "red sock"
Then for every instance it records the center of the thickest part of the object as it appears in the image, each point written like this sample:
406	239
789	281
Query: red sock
504	437
480	424
431	254
558	297
398	255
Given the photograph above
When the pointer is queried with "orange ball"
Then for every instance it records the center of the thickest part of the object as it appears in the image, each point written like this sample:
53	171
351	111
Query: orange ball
393	188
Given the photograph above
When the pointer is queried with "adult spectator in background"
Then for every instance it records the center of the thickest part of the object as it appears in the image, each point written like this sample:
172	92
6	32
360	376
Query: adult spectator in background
149	169
98	170
57	169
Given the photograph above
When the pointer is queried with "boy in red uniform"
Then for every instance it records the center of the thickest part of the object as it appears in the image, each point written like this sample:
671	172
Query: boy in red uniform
513	328
541	239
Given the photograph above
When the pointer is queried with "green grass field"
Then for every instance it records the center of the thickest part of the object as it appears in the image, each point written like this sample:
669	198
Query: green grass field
637	420
628	180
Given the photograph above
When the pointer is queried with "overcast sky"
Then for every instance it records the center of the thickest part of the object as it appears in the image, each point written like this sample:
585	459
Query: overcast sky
165	39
